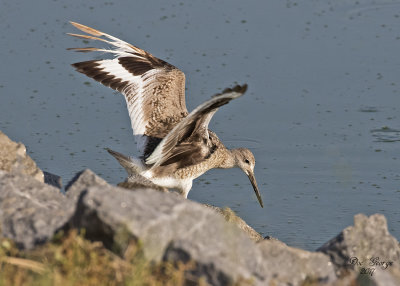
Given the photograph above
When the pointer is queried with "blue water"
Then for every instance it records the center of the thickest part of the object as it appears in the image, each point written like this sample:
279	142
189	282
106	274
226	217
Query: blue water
321	114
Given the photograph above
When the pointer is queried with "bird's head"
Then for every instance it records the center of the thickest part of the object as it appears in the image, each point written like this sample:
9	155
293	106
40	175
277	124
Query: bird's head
245	160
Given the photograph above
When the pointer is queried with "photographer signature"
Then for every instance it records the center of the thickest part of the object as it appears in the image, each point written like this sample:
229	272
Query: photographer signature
369	266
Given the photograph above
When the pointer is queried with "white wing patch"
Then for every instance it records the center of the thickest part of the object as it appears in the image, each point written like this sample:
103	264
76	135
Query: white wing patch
134	92
114	68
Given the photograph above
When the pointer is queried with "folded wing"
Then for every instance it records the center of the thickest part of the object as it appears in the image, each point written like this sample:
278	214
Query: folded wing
195	125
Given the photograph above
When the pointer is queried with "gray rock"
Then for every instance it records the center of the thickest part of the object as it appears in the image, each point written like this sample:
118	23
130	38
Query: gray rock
292	266
170	228
31	212
13	158
52	179
81	181
383	277
230	216
362	247
379	277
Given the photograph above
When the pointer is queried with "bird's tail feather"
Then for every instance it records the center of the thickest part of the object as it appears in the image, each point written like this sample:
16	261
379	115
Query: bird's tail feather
131	165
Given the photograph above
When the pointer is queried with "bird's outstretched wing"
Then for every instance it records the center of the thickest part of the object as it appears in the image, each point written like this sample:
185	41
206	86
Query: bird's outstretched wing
193	125
154	90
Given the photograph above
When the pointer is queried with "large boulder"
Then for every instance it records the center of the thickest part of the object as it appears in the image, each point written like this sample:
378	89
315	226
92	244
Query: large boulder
171	228
13	158
31	212
366	251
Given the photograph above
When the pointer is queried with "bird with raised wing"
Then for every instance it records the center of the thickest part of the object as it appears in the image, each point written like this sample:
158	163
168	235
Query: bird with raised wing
175	146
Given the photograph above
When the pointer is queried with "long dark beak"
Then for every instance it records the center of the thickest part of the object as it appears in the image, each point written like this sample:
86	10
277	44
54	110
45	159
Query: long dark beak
255	187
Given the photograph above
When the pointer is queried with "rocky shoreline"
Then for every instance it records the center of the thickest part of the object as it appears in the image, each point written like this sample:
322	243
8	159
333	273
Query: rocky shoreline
224	249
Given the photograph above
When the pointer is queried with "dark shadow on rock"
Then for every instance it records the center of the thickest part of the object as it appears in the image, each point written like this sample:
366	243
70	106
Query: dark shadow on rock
52	180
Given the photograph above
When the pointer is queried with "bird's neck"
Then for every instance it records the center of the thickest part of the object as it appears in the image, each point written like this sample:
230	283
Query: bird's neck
229	159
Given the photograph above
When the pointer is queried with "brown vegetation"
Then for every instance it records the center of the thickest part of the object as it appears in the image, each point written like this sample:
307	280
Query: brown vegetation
72	260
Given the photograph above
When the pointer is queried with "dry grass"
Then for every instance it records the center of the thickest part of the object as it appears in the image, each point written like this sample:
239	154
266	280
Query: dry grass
72	260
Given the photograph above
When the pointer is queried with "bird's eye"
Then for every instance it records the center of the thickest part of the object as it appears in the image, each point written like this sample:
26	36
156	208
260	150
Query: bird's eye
246	161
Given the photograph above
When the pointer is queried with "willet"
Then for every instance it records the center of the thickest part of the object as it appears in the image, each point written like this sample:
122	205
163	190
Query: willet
176	146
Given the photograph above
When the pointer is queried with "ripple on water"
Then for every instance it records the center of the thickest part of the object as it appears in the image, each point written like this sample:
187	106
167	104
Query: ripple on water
386	134
368	109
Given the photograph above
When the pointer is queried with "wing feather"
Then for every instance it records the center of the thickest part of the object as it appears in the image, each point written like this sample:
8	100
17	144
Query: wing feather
153	89
195	124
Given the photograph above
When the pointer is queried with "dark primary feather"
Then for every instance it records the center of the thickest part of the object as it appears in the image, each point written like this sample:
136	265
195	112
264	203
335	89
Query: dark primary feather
92	70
